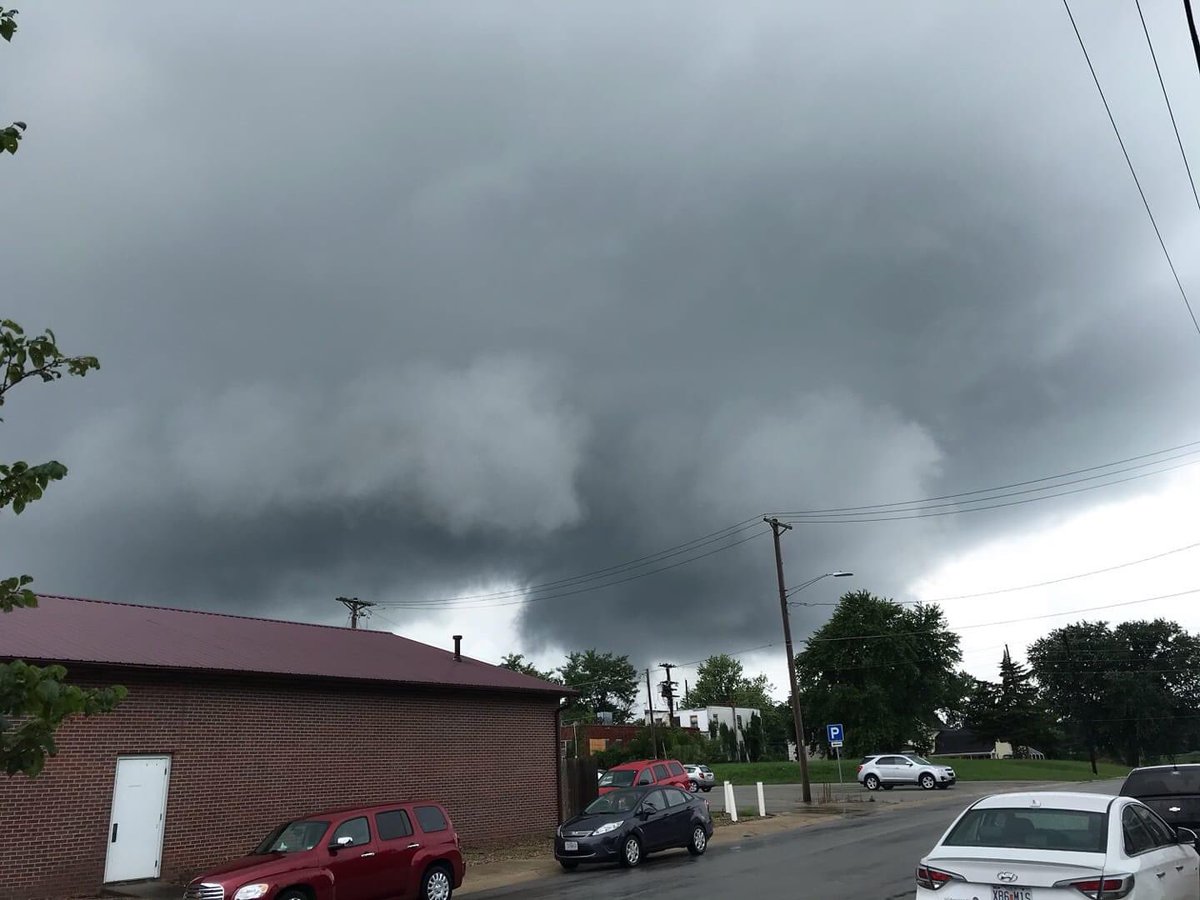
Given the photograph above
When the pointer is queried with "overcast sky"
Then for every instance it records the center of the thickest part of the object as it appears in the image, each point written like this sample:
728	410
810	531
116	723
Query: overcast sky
416	301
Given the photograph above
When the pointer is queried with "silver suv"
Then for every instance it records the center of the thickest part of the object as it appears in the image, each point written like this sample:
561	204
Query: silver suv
700	778
888	770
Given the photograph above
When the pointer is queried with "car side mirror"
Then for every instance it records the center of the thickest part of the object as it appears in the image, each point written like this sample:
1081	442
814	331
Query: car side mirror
648	810
341	843
1187	836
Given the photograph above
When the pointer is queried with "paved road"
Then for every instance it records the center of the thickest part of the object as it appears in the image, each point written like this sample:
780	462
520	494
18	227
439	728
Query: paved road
869	858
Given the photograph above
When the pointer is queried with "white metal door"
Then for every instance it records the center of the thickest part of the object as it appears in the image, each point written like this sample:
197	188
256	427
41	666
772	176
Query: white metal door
139	807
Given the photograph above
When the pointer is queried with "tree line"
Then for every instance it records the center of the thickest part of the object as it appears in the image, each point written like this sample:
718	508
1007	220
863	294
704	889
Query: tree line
892	675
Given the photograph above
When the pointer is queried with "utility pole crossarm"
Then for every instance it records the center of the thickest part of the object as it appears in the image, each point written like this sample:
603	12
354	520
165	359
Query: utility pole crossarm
356	607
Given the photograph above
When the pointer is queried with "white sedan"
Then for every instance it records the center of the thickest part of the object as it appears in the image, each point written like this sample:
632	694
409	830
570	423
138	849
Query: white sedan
1060	846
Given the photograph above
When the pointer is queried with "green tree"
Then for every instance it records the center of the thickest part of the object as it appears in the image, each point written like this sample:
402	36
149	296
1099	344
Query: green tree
1011	710
883	670
35	701
1130	691
721	681
518	663
605	682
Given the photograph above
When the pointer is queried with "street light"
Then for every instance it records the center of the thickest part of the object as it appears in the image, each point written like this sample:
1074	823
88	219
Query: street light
778	528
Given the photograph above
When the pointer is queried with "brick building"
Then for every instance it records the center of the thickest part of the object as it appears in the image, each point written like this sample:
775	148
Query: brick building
233	725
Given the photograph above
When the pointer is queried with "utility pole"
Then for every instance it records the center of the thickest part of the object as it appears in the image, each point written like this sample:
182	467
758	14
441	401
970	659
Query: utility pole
650	700
1087	718
669	690
356	608
777	528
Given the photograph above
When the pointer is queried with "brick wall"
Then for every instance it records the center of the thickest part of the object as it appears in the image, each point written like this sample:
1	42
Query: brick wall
247	754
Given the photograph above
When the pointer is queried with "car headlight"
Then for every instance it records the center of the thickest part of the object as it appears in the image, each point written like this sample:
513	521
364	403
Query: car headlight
605	829
252	892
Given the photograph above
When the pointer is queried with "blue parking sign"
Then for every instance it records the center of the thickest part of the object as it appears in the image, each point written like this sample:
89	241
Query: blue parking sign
836	734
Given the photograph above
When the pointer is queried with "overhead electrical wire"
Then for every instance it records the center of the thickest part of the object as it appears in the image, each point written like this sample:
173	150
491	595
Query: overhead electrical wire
690	551
1036	584
924	513
521	600
1065	612
1149	458
1132	171
1162	84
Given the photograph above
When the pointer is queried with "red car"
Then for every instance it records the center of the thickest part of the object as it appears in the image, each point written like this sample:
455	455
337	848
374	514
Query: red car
385	852
642	772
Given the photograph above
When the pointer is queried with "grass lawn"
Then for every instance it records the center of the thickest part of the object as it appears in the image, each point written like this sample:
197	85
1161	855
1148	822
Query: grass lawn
966	770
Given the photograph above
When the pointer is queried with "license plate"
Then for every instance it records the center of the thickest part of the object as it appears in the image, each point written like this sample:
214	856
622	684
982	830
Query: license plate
1011	893
570	846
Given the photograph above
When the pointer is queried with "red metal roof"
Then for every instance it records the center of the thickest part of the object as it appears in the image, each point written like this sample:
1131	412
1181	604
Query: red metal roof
72	630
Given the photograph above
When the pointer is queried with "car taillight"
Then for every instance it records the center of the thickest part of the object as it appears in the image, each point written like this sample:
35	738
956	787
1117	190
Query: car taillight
933	879
860	768
1111	888
457	841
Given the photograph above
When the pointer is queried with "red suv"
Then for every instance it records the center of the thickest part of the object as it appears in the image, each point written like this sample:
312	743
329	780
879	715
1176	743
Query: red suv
363	853
646	771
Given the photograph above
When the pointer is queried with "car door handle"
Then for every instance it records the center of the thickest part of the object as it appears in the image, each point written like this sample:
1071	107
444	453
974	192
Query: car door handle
365	855
114	834
413	847
1160	874
1179	868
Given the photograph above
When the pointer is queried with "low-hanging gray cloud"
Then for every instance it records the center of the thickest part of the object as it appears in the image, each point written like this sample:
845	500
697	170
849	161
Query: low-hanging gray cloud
434	297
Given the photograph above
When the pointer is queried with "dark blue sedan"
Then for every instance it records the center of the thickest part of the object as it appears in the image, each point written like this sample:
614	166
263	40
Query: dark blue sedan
624	826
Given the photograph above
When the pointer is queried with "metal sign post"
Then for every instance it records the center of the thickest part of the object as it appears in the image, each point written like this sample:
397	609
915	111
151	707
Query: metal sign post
837	736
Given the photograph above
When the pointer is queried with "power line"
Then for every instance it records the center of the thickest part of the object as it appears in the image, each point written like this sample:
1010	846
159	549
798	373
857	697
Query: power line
596	574
880	507
1038	584
1132	171
1162	84
1065	612
520	601
598	579
1020	493
919	514
1191	20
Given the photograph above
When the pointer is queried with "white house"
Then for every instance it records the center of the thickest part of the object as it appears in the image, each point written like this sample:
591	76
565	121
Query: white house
708	716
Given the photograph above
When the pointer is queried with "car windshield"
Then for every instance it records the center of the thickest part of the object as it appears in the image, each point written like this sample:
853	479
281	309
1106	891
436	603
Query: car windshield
920	760
294	837
615	803
1031	829
618	778
1163	782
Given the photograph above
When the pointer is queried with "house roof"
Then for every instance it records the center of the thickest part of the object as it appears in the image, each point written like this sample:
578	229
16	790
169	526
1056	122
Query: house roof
73	630
960	740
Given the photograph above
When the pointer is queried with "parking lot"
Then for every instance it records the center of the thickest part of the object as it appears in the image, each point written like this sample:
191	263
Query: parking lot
849	858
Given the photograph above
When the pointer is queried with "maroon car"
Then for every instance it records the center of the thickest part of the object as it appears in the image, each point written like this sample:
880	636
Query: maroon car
384	852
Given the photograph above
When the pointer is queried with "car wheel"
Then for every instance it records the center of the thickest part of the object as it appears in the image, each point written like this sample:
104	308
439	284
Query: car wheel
708	790
693	787
872	782
569	864
927	782
631	852
436	884
699	841
292	895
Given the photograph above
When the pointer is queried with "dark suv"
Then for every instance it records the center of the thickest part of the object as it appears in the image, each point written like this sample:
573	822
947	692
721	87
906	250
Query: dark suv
361	853
1171	791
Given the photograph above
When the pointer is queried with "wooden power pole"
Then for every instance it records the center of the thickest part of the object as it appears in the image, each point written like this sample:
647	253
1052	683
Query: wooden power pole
356	608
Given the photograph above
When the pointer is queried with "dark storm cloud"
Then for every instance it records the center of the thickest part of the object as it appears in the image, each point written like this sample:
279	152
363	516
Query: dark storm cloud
412	298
